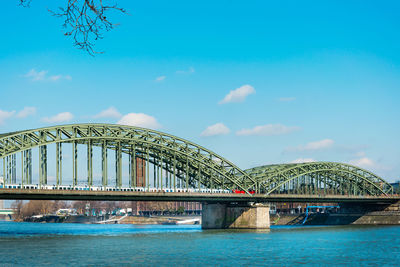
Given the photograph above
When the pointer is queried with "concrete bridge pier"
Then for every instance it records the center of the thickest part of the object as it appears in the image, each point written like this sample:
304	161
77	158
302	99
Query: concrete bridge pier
235	216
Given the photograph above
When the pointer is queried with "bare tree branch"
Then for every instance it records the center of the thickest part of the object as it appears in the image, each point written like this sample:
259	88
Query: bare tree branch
25	3
85	21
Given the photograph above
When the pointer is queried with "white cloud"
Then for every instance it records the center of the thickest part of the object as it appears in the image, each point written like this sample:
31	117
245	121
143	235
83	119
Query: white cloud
268	130
111	112
287	99
60	77
363	162
189	71
216	129
34	75
360	154
27	111
140	120
238	95
160	78
60	117
303	160
312	146
368	163
5	115
317	145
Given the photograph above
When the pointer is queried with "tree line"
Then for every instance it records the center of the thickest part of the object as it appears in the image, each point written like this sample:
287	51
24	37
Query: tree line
26	209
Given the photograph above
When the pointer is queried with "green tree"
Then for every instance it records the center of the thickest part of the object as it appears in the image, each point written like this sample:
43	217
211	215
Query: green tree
180	210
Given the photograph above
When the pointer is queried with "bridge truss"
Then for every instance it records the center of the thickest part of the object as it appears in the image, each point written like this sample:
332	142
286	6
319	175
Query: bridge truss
168	162
171	161
318	178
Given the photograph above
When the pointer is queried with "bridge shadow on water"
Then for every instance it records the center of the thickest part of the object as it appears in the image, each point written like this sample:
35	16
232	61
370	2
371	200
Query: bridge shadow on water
321	219
347	214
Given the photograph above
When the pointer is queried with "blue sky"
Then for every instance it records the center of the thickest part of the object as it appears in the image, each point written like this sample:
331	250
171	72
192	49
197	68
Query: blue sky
309	80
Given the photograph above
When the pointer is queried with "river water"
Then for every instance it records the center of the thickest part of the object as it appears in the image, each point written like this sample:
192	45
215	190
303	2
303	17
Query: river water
35	244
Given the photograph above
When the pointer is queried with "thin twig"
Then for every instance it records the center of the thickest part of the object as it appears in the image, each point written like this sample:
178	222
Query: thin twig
85	21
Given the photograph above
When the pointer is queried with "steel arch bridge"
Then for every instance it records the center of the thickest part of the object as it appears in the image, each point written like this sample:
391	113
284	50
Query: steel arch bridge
317	178
175	163
187	163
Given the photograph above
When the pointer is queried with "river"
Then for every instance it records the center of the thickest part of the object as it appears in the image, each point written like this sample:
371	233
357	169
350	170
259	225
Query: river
37	244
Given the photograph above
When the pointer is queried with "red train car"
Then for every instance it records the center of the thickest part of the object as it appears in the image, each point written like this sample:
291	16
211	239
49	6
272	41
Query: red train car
235	191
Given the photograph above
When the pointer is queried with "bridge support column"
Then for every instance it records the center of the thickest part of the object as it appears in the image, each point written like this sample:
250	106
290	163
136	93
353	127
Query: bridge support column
228	216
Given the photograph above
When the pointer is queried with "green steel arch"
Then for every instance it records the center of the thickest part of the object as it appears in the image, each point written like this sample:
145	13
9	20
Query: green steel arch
194	164
318	178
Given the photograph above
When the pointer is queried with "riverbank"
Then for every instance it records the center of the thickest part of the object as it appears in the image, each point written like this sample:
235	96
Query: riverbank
161	220
370	218
139	220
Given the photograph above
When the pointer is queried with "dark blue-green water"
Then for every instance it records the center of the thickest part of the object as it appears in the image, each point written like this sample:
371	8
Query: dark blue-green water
34	244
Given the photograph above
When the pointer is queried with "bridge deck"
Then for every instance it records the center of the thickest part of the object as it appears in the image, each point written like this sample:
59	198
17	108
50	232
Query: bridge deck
43	194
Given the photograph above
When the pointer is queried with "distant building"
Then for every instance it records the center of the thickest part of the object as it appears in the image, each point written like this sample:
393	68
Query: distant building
396	186
293	207
66	212
140	172
159	208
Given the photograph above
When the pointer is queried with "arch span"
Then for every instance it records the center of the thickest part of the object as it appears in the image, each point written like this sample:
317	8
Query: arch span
192	163
318	178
